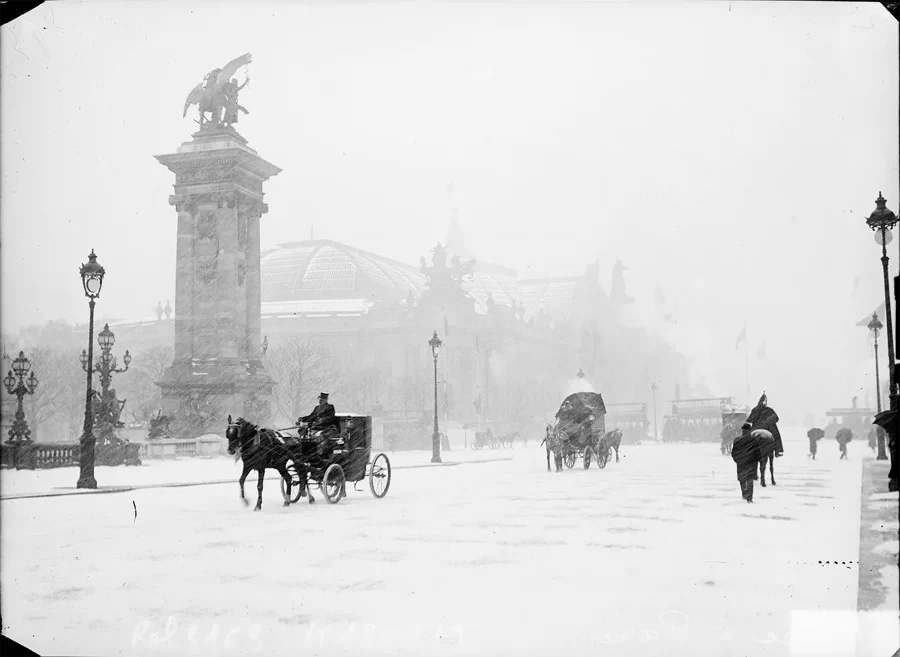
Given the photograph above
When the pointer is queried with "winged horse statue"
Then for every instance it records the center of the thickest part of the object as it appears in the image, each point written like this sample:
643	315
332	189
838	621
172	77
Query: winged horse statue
218	91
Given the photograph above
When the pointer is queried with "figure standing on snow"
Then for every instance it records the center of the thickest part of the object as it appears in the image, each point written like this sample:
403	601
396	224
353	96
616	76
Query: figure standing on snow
745	453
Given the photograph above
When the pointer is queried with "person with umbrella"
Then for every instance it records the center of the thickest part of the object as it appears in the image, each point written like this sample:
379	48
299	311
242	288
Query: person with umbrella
843	436
745	453
814	435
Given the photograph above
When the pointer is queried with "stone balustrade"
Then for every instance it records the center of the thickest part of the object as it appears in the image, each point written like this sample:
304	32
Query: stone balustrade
33	456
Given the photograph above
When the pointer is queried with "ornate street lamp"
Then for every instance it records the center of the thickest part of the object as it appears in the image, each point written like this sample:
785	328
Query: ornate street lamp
655	432
106	366
881	221
19	386
92	281
875	326
435	344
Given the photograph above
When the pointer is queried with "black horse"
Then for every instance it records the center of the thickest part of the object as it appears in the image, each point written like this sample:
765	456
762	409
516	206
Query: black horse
260	449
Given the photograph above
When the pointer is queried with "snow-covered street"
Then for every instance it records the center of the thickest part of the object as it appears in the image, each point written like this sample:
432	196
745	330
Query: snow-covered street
655	553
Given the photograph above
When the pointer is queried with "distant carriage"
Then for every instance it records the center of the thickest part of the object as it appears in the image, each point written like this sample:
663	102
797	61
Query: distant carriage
579	432
631	418
858	420
696	420
733	418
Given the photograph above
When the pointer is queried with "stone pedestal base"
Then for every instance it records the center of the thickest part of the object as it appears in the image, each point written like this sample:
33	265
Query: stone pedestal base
201	400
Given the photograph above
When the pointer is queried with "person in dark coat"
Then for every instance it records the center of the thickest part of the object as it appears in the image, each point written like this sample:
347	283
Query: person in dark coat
873	439
322	417
745	453
763	417
843	437
324	424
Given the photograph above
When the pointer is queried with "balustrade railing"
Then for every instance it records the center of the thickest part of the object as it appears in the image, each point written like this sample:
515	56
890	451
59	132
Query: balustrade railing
32	456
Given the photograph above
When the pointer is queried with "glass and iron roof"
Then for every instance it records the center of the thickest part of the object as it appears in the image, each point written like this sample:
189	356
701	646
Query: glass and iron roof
296	274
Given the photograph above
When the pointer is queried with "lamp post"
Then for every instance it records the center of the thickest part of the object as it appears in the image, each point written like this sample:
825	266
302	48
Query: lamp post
92	280
655	431
875	325
16	384
106	367
882	220
435	344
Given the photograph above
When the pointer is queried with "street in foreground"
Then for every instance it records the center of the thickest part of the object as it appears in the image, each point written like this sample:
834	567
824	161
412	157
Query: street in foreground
655	553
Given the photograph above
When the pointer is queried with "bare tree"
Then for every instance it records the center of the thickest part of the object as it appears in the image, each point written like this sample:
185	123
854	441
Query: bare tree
58	373
139	386
301	367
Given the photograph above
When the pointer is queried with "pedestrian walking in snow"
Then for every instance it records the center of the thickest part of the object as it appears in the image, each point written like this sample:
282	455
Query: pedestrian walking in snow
843	437
814	435
745	453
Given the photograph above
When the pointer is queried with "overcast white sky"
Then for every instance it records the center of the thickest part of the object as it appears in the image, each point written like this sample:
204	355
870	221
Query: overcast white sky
722	150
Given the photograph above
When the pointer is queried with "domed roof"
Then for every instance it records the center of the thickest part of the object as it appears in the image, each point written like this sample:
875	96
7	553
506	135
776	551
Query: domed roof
321	270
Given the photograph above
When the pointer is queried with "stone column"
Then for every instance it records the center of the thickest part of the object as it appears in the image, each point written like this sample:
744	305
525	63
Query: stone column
217	369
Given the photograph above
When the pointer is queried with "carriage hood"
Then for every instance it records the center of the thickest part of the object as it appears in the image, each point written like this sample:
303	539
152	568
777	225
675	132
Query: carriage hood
579	406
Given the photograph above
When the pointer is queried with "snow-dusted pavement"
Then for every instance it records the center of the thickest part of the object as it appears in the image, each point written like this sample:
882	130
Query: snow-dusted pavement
657	554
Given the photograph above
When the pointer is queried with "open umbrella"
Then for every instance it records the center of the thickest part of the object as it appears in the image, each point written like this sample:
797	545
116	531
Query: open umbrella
815	434
844	436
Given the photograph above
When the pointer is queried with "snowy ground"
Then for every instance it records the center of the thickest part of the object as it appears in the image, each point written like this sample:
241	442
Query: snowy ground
657	554
155	472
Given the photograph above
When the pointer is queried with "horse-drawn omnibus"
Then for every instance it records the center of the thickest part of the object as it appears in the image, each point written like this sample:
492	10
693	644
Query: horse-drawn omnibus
695	420
858	420
631	418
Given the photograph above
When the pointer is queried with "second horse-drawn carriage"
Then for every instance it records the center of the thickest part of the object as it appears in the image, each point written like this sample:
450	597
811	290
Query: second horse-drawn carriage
329	461
579	432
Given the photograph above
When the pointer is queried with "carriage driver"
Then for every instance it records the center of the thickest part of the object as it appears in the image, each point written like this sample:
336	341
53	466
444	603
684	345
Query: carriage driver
322	420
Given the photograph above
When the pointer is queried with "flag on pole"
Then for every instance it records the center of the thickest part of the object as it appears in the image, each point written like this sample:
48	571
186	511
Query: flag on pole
761	352
742	337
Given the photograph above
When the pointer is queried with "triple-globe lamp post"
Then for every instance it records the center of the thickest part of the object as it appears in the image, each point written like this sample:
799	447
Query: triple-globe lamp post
106	366
16	384
92	280
435	344
881	221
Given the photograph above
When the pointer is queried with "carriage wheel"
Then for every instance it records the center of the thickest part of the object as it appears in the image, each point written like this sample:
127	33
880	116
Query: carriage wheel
295	482
380	476
333	483
587	458
602	458
570	460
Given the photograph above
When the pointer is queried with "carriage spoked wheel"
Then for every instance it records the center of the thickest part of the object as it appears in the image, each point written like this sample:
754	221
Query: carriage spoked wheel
380	476
587	457
602	458
570	460
333	483
295	482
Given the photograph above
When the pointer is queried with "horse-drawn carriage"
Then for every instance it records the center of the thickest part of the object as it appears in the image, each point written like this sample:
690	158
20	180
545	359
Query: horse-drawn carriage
329	462
579	432
489	439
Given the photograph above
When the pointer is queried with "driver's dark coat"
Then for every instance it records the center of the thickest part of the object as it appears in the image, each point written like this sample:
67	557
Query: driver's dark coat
322	417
